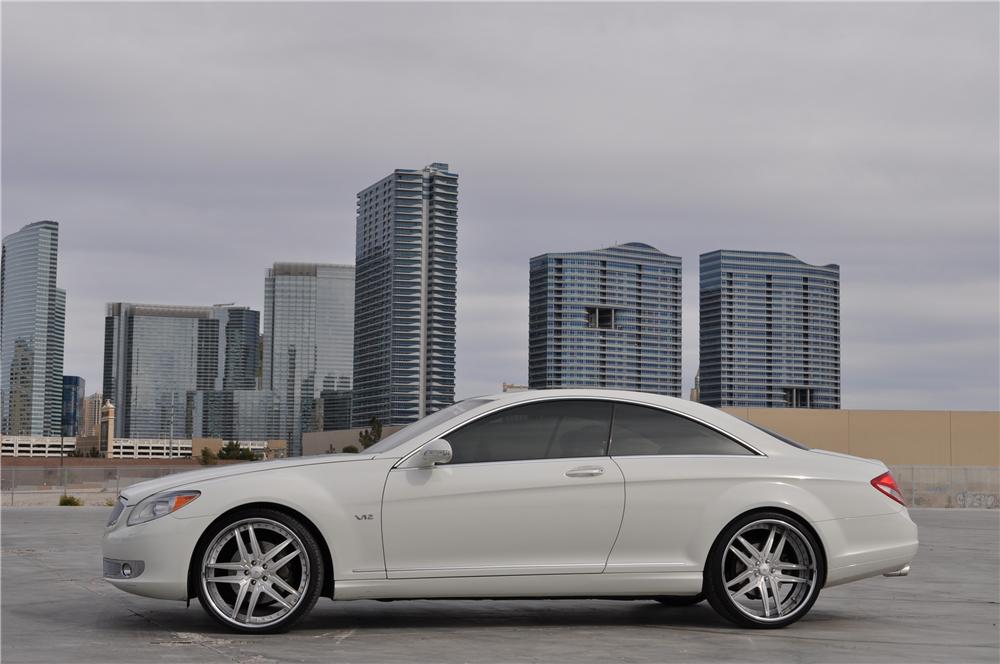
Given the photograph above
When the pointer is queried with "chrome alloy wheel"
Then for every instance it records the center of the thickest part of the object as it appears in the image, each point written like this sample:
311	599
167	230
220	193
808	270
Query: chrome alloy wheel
769	570
255	572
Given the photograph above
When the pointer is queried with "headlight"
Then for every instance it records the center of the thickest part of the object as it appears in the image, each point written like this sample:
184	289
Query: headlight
161	504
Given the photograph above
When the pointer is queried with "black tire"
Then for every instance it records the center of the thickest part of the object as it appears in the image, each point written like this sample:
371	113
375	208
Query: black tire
270	528
681	600
800	595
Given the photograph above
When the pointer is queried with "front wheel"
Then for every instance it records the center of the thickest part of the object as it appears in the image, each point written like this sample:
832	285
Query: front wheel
764	571
260	571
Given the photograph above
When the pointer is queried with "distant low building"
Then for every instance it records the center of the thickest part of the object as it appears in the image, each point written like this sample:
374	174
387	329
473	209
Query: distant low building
512	387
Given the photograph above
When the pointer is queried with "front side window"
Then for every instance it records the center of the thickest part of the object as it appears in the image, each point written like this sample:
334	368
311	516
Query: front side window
545	430
639	430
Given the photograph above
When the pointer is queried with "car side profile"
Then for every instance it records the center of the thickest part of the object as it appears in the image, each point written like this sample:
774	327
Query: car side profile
553	493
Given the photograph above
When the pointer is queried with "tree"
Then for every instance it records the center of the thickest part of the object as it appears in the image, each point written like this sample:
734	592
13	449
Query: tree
233	450
208	457
372	434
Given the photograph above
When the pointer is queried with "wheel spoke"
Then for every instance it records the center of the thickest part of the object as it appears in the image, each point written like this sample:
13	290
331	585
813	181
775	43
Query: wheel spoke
281	562
244	556
254	546
239	600
254	596
766	551
225	579
779	549
777	596
790	566
230	566
742	556
750	547
278	581
784	578
739	579
275	550
278	598
762	586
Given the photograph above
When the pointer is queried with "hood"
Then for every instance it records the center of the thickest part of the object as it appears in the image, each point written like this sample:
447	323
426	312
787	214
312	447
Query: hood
136	492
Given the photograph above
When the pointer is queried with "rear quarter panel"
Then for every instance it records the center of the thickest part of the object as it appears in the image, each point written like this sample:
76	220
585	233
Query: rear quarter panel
675	507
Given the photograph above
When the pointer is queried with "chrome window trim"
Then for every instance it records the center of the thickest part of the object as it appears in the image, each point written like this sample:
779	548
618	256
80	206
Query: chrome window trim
755	452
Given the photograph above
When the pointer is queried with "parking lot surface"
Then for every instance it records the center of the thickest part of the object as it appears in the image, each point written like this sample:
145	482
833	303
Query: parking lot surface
56	608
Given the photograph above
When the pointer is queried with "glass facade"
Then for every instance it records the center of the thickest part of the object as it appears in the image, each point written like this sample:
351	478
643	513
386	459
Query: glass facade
308	341
607	318
171	371
404	326
73	392
32	322
770	331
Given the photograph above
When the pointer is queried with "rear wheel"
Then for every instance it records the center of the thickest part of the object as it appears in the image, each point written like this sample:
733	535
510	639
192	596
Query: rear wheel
764	571
260	571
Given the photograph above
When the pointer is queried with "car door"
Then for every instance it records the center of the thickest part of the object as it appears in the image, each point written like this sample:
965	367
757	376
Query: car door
529	490
675	469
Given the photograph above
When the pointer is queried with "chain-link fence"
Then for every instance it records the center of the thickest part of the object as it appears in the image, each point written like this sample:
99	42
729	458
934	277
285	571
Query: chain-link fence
76	479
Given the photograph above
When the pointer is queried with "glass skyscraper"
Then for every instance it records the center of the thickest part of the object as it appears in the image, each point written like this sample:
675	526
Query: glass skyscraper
308	341
404	326
163	363
607	318
770	331
32	327
74	390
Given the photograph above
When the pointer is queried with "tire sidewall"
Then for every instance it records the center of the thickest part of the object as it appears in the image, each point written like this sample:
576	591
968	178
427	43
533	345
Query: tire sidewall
312	551
715	589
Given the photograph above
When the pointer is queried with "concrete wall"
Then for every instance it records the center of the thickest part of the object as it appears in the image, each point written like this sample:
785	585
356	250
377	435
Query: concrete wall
897	437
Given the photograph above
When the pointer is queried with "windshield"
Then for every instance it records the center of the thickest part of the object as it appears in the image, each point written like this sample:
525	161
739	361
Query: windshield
784	439
426	424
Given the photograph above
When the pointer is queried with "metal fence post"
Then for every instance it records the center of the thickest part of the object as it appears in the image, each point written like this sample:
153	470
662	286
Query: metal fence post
117	481
13	481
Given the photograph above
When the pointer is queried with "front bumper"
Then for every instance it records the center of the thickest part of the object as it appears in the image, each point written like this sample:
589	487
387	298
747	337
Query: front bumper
162	548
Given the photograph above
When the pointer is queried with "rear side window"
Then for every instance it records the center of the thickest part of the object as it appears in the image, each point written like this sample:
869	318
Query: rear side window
638	430
546	430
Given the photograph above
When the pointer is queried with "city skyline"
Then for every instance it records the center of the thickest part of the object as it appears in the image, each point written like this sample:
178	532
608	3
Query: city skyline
799	148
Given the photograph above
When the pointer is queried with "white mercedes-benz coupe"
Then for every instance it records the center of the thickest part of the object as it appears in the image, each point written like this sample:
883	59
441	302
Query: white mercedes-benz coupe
538	494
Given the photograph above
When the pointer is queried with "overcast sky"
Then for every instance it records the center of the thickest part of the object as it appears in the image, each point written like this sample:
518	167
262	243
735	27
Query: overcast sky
184	148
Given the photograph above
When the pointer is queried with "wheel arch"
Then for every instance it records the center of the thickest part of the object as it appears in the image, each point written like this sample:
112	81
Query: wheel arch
193	570
780	509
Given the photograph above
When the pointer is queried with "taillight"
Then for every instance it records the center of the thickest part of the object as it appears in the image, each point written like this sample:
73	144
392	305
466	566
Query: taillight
887	485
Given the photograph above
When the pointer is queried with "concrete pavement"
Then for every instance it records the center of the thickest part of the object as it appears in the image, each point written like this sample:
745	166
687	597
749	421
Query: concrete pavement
56	608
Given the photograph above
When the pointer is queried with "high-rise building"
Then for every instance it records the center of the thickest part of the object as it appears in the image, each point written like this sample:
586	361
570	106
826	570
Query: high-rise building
32	327
90	421
607	318
770	331
160	360
404	326
73	391
308	341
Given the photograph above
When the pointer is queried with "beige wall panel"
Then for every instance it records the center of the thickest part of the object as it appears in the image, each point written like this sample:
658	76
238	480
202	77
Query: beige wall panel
905	437
975	438
821	429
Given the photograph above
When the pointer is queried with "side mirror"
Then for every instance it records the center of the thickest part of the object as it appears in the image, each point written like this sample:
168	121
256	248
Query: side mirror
435	452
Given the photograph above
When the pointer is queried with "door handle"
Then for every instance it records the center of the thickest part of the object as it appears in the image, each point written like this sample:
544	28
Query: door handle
585	471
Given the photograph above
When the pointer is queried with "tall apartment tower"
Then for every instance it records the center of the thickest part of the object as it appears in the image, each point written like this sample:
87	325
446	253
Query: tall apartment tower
404	326
74	389
308	342
162	361
607	318
32	327
770	331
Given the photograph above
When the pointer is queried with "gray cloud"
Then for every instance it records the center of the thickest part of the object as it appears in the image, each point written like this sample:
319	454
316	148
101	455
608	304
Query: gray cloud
186	147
